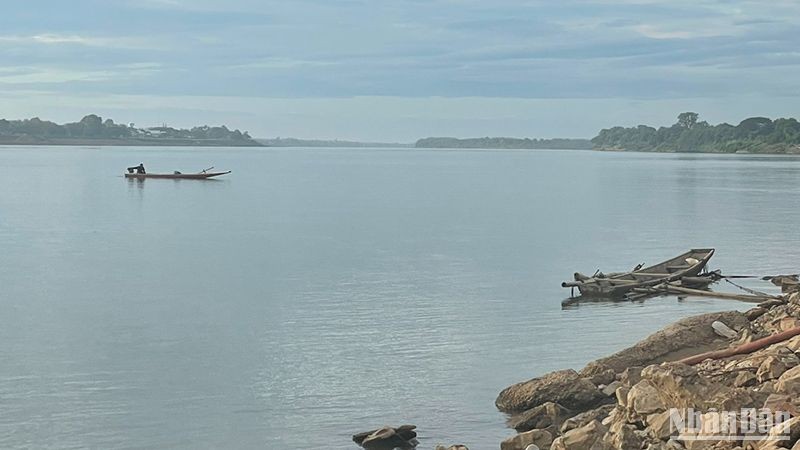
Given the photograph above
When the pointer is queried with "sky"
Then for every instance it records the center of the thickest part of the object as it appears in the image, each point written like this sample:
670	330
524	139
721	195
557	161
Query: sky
398	70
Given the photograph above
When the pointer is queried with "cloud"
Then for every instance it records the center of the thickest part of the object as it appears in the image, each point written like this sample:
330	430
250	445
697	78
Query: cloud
75	39
283	63
49	75
610	50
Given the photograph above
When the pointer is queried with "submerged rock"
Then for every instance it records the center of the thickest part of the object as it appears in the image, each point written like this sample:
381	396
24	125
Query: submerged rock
388	438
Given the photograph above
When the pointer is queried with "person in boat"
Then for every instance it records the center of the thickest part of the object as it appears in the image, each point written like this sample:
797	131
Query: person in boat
139	169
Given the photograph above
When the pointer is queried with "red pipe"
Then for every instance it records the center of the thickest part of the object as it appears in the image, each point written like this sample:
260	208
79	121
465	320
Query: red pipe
750	347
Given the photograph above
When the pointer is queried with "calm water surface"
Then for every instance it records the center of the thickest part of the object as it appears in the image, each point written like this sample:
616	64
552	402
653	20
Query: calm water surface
314	293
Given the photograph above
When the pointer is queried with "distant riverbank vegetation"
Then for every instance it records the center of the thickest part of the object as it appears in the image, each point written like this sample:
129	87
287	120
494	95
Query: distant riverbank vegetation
504	143
93	130
294	142
689	134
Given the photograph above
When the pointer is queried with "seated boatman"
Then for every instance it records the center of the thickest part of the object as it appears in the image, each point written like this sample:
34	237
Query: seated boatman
139	169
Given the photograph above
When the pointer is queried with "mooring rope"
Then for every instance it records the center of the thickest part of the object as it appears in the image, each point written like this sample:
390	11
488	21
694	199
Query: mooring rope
748	290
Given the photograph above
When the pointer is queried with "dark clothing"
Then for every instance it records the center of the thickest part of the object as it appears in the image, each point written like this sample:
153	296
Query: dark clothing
138	169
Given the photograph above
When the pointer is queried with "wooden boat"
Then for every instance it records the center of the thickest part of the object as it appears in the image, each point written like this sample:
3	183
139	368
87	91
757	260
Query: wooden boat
177	176
616	285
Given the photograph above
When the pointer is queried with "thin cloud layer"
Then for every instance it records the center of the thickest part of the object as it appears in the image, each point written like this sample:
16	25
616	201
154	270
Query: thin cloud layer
312	49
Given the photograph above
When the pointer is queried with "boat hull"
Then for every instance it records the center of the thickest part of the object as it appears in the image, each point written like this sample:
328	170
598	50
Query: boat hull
689	264
176	176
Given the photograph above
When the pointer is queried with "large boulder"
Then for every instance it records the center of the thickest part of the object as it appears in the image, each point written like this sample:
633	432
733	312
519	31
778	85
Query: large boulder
782	435
587	437
793	344
745	378
644	399
677	385
789	382
548	416
564	387
772	367
583	418
623	437
631	375
709	435
539	438
671	342
789	403
659	426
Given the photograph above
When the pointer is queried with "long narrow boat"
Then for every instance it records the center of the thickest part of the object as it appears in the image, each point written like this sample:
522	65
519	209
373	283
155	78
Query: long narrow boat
615	285
177	176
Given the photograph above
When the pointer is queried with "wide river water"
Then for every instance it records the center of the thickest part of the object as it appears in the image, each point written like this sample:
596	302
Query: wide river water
315	293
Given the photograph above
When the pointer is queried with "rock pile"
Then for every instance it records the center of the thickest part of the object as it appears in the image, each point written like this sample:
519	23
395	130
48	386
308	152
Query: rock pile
625	401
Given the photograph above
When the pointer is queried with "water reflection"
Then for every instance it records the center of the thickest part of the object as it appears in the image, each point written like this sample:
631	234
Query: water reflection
135	182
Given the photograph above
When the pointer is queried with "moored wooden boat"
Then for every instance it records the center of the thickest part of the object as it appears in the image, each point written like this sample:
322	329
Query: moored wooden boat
177	176
689	264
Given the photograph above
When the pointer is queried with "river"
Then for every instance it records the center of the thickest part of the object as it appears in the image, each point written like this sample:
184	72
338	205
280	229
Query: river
315	293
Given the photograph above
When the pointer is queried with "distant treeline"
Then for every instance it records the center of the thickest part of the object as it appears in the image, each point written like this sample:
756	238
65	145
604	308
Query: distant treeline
93	128
294	142
504	143
752	135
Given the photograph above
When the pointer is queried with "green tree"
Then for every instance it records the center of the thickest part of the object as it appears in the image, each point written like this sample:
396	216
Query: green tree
687	119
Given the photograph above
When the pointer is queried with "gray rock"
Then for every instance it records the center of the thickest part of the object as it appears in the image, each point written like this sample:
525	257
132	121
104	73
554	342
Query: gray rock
631	375
548	416
539	438
686	334
603	377
789	382
755	313
583	438
744	379
387	438
643	399
772	368
611	389
624	437
586	417
622	396
564	387
659	426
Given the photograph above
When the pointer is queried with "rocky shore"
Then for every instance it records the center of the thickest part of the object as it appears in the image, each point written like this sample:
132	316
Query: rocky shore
628	400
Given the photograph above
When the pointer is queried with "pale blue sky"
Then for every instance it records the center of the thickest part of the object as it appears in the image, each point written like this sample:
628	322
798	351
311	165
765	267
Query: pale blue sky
396	70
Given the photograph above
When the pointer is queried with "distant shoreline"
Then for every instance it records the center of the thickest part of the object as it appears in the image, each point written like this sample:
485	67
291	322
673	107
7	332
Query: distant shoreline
93	130
110	142
328	143
505	143
754	135
256	144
